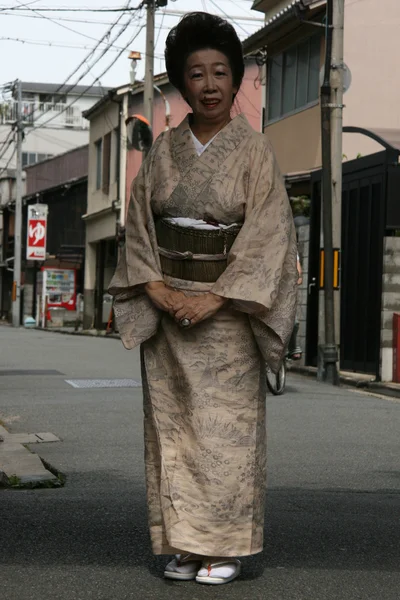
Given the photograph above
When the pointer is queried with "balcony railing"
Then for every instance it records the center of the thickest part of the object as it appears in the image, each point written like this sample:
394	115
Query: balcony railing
38	113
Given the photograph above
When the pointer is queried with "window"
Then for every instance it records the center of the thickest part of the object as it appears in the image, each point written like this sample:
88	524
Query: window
99	155
106	163
31	158
116	155
293	78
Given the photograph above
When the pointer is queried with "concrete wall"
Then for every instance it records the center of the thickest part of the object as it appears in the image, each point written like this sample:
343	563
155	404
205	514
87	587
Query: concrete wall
390	303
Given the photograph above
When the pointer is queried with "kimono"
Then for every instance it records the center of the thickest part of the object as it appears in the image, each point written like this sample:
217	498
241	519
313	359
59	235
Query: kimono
204	387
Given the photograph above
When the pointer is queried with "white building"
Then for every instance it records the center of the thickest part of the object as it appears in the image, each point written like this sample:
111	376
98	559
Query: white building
52	115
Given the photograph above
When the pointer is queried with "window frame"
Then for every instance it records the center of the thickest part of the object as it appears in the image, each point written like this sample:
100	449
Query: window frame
283	54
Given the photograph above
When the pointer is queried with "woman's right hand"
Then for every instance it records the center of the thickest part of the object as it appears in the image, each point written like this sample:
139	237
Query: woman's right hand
164	297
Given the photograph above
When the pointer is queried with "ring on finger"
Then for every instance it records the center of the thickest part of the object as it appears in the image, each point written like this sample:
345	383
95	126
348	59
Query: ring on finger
185	322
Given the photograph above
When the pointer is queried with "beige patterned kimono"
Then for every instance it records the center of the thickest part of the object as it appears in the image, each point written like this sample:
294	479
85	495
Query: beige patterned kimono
204	388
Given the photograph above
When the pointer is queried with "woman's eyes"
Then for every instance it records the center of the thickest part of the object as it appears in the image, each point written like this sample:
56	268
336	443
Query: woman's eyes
199	75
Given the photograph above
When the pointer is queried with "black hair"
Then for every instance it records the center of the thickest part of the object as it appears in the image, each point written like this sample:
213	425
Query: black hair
199	31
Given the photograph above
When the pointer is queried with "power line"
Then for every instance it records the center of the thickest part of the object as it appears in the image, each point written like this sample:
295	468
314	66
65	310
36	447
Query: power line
90	67
228	17
8	162
51	43
26	4
88	88
47	9
4	142
89	37
66	19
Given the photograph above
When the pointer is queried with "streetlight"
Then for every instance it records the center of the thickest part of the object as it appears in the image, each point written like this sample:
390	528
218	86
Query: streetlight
134	57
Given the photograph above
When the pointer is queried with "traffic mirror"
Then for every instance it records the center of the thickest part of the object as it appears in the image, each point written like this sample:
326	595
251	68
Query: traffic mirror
139	133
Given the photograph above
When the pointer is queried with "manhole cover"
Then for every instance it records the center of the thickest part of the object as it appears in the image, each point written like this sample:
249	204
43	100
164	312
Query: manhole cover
103	383
14	372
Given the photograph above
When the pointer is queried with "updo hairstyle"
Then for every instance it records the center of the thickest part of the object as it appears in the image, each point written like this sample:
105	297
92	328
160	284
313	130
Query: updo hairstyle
201	31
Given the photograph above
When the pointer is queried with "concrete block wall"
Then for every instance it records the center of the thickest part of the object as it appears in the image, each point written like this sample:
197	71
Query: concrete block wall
390	303
303	235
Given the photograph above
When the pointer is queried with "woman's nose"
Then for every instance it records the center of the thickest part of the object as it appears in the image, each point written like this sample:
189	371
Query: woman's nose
209	83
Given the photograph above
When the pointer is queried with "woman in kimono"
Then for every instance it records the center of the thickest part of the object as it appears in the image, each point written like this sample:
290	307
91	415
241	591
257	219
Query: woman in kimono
206	284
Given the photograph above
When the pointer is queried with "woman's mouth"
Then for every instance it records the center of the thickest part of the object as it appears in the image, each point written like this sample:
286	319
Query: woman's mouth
211	103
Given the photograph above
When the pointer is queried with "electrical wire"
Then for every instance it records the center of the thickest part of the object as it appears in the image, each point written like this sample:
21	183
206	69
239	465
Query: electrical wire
114	48
51	44
8	162
61	9
88	87
4	152
66	19
50	138
89	37
90	67
26	4
228	17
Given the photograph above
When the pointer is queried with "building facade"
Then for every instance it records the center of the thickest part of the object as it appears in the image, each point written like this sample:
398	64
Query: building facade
292	47
61	184
52	118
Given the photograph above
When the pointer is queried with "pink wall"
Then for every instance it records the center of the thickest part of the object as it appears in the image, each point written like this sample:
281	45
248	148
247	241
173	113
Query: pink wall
248	101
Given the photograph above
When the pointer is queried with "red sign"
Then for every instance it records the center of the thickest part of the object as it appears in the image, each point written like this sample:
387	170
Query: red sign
37	226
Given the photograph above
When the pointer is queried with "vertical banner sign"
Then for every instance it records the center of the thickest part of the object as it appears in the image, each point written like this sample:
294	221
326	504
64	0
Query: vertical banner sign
37	229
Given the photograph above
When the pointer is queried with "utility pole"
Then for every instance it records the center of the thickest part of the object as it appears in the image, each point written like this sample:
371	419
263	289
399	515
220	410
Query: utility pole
149	68
337	82
330	354
16	307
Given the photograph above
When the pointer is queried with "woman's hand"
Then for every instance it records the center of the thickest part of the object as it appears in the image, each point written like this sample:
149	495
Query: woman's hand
199	308
164	297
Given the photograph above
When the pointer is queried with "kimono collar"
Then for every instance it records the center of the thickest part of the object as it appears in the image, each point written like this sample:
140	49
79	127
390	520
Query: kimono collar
184	153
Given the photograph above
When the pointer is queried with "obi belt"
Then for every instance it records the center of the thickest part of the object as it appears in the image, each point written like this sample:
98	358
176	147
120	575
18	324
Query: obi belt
194	253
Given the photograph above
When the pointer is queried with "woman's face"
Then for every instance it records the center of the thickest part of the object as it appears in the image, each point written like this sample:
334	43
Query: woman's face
209	85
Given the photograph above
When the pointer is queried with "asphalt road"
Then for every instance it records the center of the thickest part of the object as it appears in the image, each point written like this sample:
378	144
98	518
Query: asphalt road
333	508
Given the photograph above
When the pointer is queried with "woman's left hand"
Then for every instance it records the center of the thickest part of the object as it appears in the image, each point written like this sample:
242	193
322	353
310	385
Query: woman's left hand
199	308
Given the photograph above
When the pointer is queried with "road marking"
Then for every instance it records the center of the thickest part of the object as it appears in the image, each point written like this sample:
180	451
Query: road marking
103	383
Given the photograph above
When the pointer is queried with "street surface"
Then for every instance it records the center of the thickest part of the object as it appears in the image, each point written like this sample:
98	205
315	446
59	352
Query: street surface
333	507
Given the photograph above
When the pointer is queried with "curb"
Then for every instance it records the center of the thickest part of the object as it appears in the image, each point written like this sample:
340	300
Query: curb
378	387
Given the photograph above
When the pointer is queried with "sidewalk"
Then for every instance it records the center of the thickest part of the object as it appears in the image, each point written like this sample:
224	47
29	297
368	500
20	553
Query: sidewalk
20	468
359	380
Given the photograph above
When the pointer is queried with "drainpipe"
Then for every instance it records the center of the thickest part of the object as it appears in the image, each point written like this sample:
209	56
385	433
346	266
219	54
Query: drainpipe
120	203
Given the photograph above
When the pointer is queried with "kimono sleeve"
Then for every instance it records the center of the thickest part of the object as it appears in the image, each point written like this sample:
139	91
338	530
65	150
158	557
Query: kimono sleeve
136	317
138	263
261	276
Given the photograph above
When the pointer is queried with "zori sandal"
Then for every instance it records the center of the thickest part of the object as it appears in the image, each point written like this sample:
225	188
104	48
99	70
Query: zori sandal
221	571
183	567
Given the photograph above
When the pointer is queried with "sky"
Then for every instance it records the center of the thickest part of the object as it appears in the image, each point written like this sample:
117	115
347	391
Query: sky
59	46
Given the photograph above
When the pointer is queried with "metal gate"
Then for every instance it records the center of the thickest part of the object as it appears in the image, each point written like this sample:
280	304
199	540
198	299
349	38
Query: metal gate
363	230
